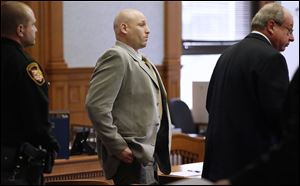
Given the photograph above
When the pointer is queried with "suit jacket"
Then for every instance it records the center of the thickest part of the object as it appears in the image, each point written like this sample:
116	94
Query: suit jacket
244	101
122	104
281	164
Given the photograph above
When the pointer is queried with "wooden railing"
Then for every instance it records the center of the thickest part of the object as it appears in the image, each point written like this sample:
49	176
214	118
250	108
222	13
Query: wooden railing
77	167
187	149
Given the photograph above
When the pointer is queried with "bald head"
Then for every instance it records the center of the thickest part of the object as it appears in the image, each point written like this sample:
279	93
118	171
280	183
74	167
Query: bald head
125	16
12	15
131	28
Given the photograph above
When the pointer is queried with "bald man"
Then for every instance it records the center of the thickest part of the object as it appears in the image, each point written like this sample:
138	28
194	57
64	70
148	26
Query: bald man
127	104
26	141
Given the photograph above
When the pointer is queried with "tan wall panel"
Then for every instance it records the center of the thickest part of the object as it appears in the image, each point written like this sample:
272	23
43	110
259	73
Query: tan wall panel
68	91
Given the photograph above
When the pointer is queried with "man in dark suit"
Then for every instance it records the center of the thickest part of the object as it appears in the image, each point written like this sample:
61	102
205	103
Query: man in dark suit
25	131
246	94
280	166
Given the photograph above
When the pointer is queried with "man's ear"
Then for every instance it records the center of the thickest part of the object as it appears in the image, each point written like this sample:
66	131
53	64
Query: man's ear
20	30
123	28
271	27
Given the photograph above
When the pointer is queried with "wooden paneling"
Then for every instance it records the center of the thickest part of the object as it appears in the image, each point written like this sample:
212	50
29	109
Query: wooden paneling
56	51
68	91
172	48
161	71
59	91
187	148
77	167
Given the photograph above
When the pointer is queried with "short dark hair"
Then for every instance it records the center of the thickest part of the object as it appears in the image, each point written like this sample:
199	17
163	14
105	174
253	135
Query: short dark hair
13	14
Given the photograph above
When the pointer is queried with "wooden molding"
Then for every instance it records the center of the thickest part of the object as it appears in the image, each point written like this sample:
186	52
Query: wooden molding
56	50
48	50
172	48
77	167
172	78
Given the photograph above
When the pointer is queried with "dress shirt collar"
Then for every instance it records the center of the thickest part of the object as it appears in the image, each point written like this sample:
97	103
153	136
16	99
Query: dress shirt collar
257	32
130	49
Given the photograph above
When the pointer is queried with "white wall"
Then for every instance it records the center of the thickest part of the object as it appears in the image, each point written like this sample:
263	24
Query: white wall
292	51
88	29
199	111
195	68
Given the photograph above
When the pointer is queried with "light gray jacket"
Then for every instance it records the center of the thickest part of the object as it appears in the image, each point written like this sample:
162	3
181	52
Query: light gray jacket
121	103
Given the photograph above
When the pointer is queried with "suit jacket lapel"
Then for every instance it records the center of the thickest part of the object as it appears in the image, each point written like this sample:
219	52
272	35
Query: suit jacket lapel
149	71
160	82
140	62
146	68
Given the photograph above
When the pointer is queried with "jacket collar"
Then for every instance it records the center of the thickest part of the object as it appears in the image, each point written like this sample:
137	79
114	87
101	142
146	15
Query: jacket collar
134	54
10	42
138	57
259	37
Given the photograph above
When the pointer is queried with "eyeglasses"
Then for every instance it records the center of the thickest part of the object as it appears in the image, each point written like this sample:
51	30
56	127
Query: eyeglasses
290	30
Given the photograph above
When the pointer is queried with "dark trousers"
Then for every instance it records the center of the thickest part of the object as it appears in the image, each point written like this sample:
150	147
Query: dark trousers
17	171
7	178
136	173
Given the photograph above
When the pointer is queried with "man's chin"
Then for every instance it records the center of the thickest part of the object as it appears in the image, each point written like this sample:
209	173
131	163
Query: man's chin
30	44
283	49
144	45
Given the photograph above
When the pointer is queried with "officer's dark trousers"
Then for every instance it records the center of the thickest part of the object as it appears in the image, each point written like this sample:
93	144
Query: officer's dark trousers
15	172
23	178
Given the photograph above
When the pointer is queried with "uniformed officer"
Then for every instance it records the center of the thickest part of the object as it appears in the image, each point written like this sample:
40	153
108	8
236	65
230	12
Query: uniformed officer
25	131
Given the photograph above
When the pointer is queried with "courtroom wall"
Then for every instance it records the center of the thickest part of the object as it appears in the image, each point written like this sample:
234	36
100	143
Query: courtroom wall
88	29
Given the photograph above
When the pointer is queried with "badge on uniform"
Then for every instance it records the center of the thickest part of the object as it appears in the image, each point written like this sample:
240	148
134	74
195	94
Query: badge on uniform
35	73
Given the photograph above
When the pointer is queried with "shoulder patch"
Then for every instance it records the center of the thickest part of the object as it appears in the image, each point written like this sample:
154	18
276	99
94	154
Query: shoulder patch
35	73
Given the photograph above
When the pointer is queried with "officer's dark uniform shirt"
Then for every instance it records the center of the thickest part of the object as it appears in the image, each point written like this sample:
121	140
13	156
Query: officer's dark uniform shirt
24	99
